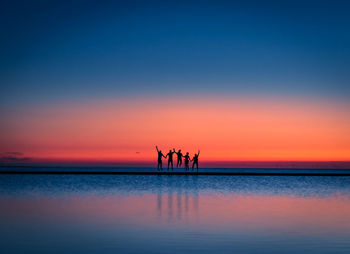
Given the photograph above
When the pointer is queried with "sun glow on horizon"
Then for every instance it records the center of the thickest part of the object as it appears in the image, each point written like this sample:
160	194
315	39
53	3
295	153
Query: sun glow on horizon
236	129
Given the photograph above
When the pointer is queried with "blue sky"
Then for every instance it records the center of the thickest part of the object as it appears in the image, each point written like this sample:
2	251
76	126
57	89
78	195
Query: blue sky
56	50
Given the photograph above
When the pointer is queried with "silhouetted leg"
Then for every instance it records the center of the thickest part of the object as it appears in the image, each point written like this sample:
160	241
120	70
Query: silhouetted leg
197	166
172	166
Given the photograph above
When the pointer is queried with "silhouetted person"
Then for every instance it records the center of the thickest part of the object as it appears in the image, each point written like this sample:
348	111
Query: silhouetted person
179	158
187	161
195	160
160	155
170	159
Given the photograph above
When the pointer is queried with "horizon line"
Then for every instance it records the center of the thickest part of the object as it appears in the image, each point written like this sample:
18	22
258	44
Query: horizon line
202	164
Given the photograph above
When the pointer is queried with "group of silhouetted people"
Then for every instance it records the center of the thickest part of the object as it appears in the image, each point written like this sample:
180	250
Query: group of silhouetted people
186	157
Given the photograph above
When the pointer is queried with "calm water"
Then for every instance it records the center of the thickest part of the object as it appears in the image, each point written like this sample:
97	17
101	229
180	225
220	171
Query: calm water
174	214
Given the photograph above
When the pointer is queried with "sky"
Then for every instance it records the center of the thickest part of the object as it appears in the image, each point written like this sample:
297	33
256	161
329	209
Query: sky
106	81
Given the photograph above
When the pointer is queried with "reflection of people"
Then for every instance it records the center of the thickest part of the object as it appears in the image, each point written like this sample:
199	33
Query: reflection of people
195	160
187	161
179	158
170	159
160	155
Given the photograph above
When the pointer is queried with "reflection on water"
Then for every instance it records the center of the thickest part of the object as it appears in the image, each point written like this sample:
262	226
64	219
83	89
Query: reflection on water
172	214
184	204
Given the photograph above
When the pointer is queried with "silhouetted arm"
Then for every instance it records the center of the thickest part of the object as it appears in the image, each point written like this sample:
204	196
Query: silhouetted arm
175	152
157	149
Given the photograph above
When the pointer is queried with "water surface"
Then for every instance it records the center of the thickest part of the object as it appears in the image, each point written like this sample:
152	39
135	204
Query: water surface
174	214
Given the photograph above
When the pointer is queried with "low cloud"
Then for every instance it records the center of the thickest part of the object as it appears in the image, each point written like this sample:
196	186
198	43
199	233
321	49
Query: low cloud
13	157
12	154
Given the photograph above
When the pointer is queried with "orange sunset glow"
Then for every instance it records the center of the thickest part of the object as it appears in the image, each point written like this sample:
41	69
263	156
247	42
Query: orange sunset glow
223	128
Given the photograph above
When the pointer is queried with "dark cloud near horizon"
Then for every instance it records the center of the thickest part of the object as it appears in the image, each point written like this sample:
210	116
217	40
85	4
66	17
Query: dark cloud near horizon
12	157
12	154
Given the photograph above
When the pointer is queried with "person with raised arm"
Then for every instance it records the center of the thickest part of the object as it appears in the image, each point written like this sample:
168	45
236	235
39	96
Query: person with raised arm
187	161
170	159
179	157
195	160
160	155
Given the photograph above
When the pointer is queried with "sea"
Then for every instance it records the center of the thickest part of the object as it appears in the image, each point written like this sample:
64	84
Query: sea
166	213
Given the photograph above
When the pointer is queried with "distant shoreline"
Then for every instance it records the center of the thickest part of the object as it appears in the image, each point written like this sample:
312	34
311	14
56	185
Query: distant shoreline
346	166
152	171
166	173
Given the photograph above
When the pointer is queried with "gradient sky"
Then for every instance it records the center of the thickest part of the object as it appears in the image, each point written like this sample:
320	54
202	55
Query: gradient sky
259	80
